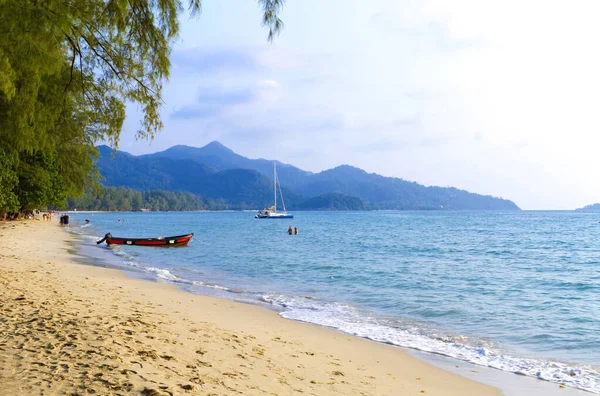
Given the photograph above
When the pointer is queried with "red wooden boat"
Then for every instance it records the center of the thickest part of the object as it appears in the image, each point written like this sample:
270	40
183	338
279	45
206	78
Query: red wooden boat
180	240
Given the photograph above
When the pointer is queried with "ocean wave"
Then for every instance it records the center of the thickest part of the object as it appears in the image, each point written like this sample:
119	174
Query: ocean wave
350	320
165	274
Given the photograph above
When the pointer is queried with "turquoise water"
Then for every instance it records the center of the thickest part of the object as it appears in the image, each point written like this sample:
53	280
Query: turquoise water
517	291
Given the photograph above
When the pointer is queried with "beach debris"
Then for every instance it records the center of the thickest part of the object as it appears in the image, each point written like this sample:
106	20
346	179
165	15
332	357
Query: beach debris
205	364
338	373
150	392
150	354
136	362
258	351
561	386
187	387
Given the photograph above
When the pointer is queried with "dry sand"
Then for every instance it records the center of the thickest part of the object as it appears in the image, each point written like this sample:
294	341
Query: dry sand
68	329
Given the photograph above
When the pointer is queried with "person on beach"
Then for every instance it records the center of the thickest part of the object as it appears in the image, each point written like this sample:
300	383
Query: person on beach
290	231
295	230
66	220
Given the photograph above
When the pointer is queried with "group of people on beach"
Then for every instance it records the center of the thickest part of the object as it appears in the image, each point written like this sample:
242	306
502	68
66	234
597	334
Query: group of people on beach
64	220
293	231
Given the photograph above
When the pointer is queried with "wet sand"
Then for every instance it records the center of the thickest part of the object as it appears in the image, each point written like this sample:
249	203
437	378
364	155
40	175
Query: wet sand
67	328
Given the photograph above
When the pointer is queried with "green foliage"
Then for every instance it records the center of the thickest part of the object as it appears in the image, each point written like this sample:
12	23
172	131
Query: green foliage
109	52
126	199
271	11
67	69
8	181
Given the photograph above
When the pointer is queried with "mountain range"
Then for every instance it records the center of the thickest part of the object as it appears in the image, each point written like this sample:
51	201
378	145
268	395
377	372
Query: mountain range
215	172
590	208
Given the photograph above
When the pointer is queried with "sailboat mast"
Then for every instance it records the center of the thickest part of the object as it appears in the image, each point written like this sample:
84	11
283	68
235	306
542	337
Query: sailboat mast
275	184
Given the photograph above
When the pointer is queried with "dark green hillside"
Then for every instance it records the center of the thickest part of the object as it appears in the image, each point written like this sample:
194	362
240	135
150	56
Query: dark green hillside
217	173
381	192
332	201
219	157
121	169
127	199
246	189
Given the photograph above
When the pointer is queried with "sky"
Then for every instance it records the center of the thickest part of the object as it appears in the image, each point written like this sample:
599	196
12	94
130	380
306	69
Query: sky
497	98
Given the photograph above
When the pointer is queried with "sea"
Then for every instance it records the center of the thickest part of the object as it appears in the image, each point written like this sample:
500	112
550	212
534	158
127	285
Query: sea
515	291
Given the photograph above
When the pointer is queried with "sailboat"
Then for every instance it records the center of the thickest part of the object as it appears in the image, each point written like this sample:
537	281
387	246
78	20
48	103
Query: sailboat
272	213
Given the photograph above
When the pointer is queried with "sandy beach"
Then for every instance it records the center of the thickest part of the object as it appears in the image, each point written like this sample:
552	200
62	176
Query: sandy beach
67	328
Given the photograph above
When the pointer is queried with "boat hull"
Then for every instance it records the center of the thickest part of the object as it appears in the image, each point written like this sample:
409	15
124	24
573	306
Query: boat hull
173	241
286	216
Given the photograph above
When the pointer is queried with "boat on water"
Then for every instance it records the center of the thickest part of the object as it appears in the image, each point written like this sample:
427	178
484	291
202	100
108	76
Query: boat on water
172	241
271	212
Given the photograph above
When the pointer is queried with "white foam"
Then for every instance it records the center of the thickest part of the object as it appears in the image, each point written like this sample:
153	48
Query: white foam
350	320
165	274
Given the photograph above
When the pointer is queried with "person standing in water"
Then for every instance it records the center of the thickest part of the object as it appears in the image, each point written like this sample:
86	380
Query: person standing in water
295	230
290	231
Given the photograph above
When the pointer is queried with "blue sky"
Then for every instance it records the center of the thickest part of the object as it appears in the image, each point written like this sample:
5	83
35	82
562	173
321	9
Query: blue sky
493	97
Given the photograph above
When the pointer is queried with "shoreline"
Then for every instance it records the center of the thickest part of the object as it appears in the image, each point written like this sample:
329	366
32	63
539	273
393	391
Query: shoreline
72	327
509	383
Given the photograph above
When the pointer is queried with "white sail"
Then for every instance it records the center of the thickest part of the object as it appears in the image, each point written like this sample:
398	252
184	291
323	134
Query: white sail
271	213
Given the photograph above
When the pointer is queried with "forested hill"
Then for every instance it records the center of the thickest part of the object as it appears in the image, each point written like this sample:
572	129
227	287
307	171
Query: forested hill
219	157
590	208
216	173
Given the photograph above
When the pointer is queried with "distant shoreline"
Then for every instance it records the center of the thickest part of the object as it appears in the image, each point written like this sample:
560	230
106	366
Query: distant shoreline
315	210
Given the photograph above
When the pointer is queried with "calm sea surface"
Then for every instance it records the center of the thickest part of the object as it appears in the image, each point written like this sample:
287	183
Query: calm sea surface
517	291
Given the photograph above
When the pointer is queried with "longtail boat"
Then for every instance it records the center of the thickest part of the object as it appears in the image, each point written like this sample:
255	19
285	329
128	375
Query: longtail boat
180	240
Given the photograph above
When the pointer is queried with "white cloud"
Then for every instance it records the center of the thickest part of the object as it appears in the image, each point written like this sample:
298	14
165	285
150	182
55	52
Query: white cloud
494	97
